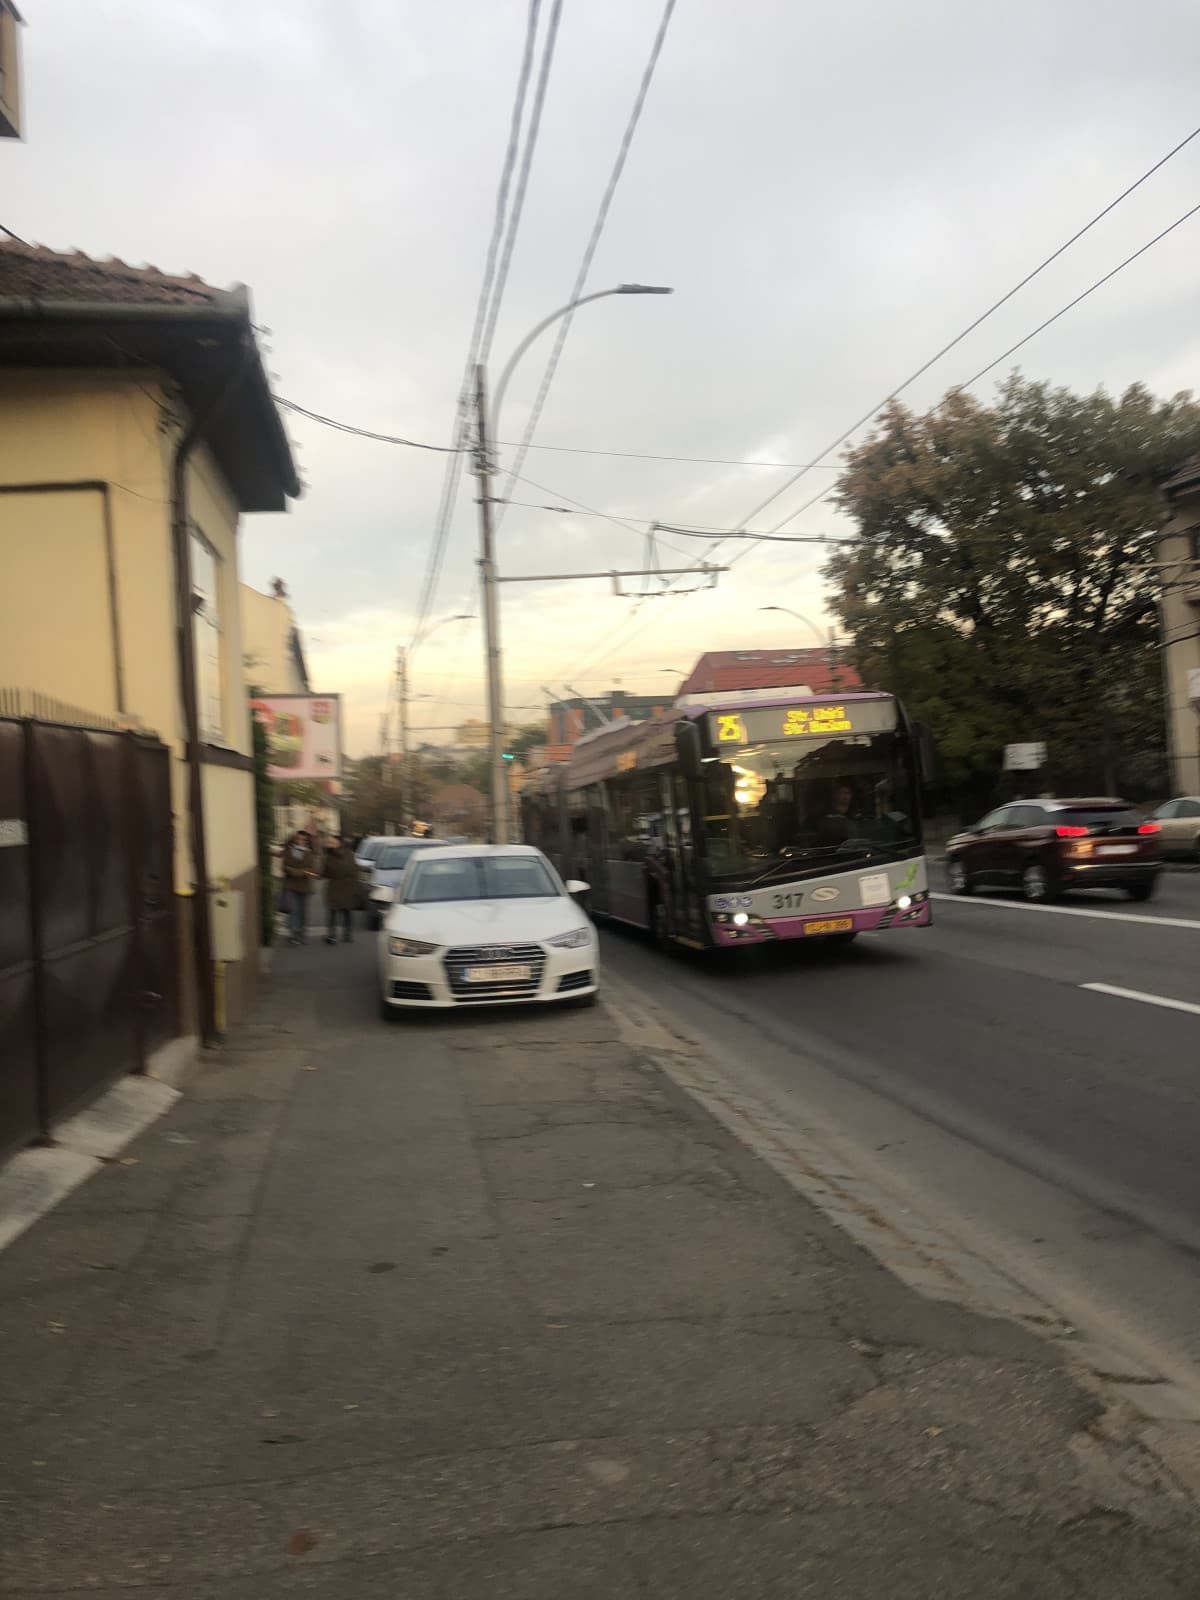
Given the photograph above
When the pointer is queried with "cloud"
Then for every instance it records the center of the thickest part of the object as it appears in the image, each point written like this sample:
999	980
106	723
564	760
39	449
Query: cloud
832	193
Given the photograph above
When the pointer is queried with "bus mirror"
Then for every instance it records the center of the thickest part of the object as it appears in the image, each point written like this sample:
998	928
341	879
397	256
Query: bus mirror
687	748
926	754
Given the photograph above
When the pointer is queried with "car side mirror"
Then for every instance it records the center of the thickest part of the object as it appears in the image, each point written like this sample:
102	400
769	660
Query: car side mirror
383	895
576	887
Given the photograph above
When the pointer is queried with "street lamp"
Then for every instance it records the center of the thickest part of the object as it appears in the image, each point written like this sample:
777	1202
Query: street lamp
485	469
834	663
459	616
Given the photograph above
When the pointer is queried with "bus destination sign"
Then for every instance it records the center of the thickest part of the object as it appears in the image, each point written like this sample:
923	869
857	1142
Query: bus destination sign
825	720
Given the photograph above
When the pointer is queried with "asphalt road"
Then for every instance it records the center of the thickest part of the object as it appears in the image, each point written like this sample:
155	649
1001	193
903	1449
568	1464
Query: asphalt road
1053	1126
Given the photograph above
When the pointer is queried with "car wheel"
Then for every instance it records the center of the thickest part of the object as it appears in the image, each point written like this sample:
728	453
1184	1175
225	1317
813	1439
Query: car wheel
1142	891
1036	884
960	878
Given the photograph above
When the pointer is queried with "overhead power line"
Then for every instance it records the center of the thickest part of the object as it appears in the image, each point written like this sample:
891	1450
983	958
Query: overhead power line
14	236
1071	304
365	433
558	449
977	322
518	204
598	225
958	388
823	494
500	222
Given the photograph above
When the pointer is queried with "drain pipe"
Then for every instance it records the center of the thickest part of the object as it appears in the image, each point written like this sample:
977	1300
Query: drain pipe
193	435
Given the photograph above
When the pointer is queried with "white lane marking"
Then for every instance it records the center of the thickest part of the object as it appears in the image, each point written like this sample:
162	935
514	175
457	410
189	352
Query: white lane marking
1068	911
1138	994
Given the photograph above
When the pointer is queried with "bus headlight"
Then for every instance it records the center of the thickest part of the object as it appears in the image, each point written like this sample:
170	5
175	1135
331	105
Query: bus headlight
904	902
740	919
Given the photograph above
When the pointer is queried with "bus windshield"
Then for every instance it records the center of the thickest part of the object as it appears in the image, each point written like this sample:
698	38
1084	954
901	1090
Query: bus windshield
772	808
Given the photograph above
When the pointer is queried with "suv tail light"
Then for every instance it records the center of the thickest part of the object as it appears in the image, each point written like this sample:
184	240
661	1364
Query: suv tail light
1071	833
1150	827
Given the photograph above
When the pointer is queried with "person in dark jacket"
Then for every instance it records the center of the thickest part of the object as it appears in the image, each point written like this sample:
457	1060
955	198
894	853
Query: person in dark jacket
299	871
341	889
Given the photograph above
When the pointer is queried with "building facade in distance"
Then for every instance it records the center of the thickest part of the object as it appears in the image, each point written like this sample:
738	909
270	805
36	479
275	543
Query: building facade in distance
1179	566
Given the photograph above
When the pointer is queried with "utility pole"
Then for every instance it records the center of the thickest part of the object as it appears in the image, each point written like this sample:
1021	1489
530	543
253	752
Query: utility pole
406	771
835	662
491	614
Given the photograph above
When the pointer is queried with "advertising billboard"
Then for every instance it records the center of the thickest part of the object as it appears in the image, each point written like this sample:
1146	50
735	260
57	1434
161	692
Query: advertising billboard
304	734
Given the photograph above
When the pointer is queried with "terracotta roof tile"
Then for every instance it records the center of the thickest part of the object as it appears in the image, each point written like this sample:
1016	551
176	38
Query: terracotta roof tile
33	272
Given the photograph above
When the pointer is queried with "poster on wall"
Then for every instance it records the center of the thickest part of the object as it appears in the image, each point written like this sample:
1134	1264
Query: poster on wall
304	734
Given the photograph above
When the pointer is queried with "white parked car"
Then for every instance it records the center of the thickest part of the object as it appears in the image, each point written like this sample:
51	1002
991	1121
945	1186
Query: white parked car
478	924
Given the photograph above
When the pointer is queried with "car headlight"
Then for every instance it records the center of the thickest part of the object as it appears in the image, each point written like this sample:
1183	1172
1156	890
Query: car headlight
398	946
572	940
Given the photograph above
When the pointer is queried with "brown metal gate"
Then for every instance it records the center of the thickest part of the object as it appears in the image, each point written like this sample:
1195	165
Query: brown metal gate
88	970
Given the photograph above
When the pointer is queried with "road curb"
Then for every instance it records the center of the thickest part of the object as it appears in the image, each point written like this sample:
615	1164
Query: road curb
1141	1404
34	1181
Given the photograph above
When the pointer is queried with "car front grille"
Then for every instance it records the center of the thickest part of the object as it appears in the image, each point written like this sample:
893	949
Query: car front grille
575	980
402	990
499	955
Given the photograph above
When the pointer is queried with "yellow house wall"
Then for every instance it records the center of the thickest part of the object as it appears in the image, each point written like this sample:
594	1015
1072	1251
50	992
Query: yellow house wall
267	624
56	567
56	620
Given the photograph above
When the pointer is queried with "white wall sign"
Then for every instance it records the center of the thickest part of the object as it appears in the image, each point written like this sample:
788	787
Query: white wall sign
1024	757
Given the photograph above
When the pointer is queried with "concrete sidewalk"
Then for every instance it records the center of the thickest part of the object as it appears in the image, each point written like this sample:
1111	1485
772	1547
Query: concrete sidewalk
482	1307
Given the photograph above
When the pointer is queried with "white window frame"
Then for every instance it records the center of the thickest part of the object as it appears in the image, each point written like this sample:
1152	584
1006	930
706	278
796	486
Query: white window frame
208	638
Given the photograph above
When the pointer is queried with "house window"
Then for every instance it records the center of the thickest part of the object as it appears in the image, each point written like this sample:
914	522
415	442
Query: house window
206	638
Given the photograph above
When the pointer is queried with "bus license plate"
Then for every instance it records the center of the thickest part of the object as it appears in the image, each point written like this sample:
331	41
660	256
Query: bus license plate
1118	849
510	973
830	925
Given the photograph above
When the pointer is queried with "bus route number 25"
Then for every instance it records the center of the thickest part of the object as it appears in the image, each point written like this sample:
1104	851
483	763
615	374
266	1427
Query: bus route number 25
730	729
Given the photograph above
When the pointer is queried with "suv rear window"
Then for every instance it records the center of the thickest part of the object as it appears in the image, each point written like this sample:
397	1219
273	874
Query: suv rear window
1094	816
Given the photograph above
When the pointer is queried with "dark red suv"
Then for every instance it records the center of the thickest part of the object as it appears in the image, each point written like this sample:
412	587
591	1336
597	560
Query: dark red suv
1044	847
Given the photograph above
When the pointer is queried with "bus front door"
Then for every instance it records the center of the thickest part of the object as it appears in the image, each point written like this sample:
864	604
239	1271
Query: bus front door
687	910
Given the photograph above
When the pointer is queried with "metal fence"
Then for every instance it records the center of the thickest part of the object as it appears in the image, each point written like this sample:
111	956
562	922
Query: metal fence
89	983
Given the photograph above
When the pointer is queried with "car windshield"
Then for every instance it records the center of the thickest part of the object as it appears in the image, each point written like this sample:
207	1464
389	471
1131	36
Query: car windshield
773	806
394	857
480	878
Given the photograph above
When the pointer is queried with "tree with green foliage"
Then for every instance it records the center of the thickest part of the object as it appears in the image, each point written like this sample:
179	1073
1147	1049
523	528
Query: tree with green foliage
527	736
1003	578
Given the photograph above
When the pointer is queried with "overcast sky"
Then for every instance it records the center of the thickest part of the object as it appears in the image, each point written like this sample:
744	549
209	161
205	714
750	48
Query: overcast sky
832	191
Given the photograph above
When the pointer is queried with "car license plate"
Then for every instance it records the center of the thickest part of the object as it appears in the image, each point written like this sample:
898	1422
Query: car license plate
830	925
511	972
1117	849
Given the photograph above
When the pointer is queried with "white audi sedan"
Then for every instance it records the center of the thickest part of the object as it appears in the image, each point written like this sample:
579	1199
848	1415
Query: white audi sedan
478	925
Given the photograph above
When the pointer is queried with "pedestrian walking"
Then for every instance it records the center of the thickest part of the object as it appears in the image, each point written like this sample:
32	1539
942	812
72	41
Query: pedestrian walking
340	872
299	872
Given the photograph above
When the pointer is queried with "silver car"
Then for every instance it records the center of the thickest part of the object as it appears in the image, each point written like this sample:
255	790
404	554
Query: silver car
1179	821
387	868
